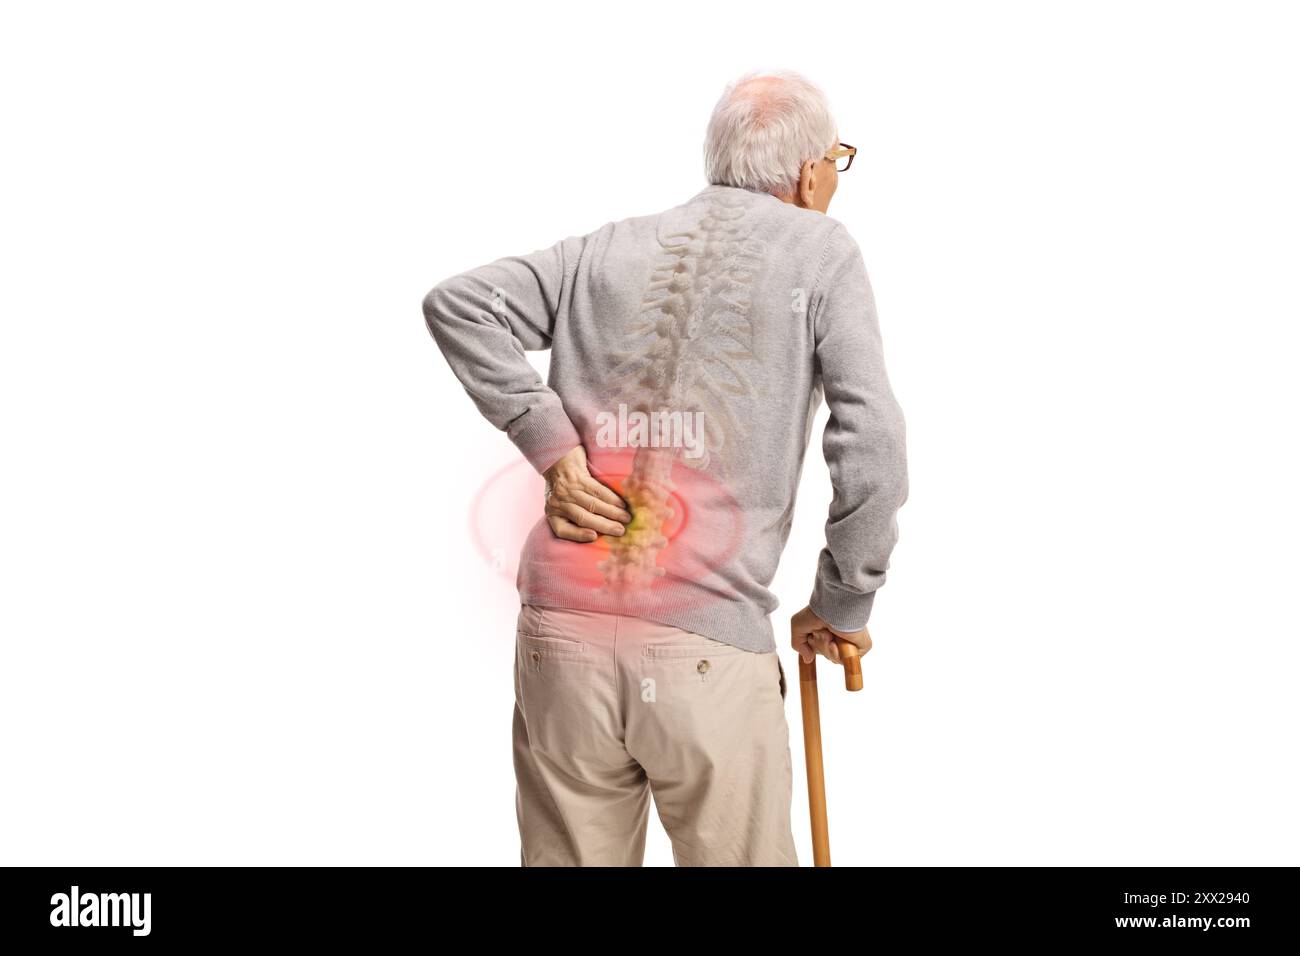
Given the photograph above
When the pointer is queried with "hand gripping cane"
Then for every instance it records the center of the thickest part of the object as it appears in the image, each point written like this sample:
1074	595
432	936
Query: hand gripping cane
812	742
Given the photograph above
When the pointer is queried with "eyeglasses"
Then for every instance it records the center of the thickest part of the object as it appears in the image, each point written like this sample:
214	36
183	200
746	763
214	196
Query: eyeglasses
843	157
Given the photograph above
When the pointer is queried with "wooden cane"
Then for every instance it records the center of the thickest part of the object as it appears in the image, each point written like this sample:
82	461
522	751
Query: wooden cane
812	742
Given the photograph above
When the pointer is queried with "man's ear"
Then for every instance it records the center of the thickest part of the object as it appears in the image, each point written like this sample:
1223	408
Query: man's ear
807	185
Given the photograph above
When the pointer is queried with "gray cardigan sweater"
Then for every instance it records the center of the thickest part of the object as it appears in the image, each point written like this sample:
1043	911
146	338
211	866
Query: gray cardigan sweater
689	352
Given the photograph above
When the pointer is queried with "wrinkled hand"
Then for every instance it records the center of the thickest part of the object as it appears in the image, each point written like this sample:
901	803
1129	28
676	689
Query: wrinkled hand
578	507
810	636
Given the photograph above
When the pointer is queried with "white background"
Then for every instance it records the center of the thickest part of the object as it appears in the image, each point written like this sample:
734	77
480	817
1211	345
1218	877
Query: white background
243	617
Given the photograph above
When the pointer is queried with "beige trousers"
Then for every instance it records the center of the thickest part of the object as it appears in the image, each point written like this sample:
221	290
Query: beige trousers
610	710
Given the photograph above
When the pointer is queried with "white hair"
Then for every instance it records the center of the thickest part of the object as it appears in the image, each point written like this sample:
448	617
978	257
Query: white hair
765	127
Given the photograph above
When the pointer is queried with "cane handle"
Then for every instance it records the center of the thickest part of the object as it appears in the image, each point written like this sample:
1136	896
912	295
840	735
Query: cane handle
851	658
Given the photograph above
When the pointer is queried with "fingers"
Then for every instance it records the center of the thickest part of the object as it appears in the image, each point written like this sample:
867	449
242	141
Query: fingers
807	630
594	503
607	496
824	643
585	502
578	507
567	530
810	643
583	518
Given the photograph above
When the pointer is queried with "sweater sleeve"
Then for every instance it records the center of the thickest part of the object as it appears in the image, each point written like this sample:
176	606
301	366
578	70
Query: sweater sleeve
485	318
864	441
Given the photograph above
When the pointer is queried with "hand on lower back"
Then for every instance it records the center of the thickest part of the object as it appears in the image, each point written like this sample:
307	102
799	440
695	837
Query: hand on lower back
810	635
578	507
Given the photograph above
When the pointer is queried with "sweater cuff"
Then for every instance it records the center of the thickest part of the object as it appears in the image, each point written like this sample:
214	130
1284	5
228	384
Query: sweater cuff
843	610
545	435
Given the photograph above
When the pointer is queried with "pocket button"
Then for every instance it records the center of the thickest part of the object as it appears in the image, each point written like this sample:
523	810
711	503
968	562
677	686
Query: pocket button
702	667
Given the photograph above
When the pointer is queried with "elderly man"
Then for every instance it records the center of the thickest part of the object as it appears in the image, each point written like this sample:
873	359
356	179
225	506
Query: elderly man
689	352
